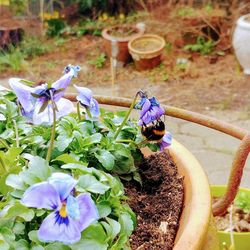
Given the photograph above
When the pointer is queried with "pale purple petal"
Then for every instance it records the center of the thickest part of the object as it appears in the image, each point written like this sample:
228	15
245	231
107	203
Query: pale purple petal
63	183
145	108
62	83
23	93
41	195
146	119
84	95
64	107
166	141
94	108
53	230
45	117
73	209
88	211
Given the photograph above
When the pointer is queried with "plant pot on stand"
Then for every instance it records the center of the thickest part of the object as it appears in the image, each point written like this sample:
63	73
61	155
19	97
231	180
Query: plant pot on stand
146	51
121	34
241	239
241	38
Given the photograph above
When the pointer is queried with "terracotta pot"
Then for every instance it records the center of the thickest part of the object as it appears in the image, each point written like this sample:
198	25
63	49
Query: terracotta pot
146	51
196	230
123	54
241	240
241	39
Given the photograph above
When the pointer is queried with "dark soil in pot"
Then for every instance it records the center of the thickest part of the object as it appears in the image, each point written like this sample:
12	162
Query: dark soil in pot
157	203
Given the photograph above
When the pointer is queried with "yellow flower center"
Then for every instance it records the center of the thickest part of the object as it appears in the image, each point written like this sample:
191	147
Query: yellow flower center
62	211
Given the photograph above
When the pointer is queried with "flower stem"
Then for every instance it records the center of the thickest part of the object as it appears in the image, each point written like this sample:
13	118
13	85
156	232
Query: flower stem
78	111
2	141
3	164
16	132
53	133
126	117
88	113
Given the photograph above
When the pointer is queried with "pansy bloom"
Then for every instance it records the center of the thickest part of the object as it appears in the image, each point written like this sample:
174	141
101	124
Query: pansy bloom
70	216
37	102
152	127
166	141
150	110
85	97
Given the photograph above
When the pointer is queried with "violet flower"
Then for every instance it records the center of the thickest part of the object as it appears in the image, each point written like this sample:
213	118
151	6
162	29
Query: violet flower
150	110
70	216
166	141
37	102
85	97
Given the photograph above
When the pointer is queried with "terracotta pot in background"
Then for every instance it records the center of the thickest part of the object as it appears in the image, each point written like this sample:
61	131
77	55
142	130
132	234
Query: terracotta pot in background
122	41
146	51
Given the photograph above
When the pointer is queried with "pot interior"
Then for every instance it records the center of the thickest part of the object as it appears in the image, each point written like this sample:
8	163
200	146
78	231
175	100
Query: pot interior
146	44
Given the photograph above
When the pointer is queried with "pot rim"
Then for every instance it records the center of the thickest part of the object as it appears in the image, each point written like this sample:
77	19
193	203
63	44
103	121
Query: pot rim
145	36
241	22
243	234
107	36
195	217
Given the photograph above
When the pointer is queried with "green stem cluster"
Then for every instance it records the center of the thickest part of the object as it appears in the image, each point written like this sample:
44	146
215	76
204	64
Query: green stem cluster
127	116
2	141
53	133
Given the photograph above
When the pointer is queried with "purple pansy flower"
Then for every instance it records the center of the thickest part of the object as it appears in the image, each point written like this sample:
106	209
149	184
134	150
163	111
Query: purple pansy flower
166	141
71	214
150	110
36	103
85	97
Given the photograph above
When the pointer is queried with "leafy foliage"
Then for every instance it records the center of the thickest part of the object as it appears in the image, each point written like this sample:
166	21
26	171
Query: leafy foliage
34	46
55	27
202	46
99	61
85	149
91	7
12	58
242	200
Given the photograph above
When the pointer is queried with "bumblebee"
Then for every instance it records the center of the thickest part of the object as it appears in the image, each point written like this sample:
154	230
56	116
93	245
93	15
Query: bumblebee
154	131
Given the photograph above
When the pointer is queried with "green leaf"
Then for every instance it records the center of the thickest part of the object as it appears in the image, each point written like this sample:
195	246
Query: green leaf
96	138
104	209
39	168
19	228
16	182
96	232
115	226
127	224
3	244
89	245
33	236
91	184
37	247
8	235
22	245
19	210
105	158
66	158
82	167
57	246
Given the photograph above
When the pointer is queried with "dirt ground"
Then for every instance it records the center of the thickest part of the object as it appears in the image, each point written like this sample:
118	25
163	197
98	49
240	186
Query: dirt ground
213	82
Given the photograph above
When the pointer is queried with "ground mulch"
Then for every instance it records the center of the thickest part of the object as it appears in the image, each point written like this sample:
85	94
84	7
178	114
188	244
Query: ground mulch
157	203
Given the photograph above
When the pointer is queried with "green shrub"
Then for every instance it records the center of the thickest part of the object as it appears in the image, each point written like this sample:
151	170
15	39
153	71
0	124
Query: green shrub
34	46
55	27
203	46
12	58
